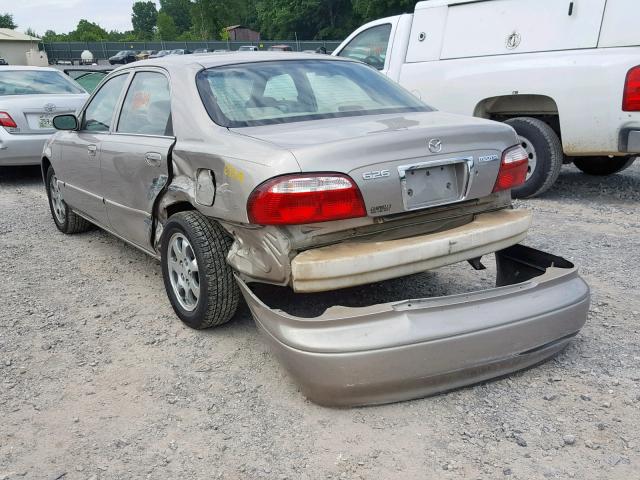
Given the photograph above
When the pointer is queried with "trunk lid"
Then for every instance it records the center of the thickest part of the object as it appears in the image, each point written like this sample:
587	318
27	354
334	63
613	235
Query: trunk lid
390	158
33	113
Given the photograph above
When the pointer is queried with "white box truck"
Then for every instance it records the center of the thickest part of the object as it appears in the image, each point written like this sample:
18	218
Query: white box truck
565	74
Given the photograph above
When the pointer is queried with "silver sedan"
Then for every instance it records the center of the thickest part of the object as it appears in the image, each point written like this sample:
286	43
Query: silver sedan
316	173
29	99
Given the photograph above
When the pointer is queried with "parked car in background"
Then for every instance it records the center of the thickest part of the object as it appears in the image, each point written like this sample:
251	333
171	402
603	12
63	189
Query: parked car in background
248	48
124	56
160	54
221	50
29	99
144	54
88	76
280	48
201	50
180	51
567	79
3	61
316	173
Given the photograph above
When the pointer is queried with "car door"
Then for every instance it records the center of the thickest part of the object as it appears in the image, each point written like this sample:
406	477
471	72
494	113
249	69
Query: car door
79	166
134	162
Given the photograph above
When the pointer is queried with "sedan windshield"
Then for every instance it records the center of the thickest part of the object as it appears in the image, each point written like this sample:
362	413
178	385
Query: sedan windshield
267	93
36	82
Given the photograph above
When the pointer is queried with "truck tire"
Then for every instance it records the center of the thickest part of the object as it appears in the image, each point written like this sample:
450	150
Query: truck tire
66	220
199	282
601	166
545	155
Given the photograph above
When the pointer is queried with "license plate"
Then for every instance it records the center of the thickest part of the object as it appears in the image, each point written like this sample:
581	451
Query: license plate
45	121
428	184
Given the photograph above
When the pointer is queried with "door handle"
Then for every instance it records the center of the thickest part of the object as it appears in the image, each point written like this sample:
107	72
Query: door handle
153	159
92	149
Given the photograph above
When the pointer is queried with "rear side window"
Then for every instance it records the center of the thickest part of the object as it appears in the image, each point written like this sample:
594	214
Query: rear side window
369	46
99	112
36	82
147	107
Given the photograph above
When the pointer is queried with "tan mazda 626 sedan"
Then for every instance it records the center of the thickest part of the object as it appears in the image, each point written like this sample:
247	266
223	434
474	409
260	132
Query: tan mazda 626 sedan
317	173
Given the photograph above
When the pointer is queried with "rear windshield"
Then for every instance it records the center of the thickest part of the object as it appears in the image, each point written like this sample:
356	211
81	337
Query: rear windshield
267	93
36	82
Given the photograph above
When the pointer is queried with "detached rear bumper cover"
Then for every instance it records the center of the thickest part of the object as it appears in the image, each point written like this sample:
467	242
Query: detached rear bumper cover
410	349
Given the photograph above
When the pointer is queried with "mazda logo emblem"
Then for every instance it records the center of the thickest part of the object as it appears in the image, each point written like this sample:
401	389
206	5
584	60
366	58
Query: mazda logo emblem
435	145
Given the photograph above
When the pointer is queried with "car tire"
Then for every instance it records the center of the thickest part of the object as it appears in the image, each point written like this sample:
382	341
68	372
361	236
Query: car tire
545	155
602	166
203	294
66	220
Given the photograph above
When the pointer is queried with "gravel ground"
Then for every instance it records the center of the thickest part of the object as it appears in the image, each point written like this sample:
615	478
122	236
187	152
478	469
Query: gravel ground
101	381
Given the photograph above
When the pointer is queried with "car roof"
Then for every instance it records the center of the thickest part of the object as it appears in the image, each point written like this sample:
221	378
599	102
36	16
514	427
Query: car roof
209	60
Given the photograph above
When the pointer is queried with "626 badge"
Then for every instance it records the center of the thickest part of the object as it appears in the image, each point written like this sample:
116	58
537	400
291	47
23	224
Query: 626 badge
376	174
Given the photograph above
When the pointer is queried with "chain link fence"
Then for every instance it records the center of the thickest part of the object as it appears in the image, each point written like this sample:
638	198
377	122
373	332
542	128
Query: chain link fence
71	51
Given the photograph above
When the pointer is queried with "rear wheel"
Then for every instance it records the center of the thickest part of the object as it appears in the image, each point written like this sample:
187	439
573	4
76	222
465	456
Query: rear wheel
601	166
65	219
199	282
545	155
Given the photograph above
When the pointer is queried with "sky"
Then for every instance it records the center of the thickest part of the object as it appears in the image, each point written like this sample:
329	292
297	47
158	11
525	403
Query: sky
62	16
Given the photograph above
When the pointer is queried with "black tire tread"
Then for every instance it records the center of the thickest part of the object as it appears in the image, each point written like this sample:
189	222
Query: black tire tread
603	166
213	242
556	156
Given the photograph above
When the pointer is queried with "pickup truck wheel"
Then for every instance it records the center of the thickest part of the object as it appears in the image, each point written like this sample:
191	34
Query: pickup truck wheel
545	155
601	166
199	282
65	219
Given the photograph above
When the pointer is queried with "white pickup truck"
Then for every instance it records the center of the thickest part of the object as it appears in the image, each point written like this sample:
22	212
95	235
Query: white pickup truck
564	74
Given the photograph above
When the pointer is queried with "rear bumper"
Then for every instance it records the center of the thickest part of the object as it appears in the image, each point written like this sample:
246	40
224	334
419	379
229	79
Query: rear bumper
21	149
359	263
410	349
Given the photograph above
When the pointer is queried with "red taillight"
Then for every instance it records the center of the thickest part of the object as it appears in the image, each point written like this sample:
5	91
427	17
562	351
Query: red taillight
513	169
7	121
300	198
631	97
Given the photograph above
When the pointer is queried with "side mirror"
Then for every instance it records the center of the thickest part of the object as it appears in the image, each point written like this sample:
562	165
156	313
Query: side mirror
65	122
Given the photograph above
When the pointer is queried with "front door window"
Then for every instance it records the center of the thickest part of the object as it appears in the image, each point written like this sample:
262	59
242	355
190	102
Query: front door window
99	113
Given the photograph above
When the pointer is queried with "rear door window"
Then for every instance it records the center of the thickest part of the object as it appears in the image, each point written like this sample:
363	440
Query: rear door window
147	107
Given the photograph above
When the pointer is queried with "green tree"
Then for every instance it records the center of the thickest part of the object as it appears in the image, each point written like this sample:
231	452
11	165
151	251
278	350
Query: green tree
209	17
281	19
167	29
31	32
6	21
308	19
87	31
180	13
144	19
51	36
368	10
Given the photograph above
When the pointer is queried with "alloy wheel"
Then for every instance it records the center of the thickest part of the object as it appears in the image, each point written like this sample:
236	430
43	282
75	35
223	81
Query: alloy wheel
183	271
59	207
